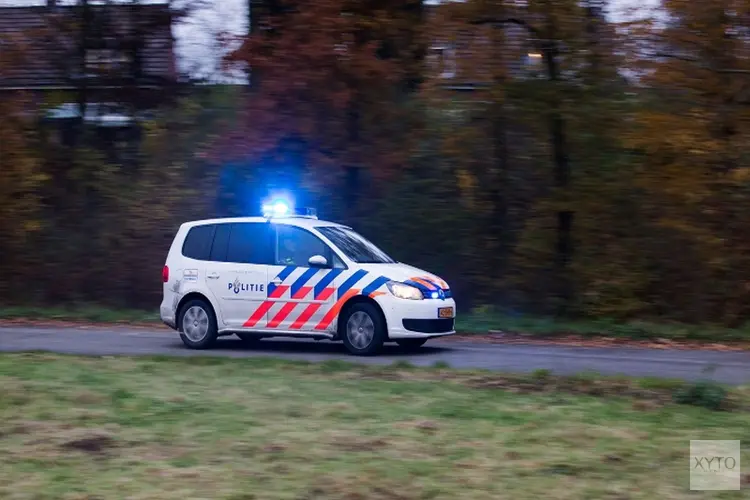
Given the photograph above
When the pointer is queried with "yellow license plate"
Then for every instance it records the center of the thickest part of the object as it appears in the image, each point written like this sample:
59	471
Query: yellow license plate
445	312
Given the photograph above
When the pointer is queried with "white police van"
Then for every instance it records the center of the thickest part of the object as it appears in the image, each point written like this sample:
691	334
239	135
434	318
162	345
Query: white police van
289	275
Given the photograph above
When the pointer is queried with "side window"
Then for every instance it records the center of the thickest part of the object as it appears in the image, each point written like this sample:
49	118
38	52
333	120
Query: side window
197	243
248	243
221	243
337	262
295	246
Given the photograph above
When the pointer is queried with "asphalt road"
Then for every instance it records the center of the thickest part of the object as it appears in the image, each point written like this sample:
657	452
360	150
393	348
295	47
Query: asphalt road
726	367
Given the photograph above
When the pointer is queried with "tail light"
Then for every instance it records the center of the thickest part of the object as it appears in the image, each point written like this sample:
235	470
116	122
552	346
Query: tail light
165	274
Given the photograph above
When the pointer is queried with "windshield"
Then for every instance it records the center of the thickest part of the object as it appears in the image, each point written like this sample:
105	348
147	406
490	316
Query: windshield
354	246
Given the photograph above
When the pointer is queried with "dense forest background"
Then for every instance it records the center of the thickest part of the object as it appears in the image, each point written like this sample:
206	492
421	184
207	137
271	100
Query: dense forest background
539	155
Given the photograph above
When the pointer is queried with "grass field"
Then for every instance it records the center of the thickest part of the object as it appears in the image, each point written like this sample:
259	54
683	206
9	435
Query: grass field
91	313
158	428
479	321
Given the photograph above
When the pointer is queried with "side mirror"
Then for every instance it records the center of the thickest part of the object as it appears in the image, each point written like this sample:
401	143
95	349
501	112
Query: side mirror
317	261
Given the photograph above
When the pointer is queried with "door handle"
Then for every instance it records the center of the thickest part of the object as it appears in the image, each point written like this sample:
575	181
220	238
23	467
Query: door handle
276	281
212	276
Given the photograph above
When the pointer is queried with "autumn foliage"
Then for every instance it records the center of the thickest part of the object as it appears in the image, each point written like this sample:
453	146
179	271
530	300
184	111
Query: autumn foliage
559	157
327	78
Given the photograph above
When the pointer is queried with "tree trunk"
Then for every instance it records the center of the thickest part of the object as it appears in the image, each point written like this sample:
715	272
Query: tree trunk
564	247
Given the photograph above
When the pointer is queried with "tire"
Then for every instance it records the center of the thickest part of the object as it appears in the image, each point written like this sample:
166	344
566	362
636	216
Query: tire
411	344
249	338
202	333
363	330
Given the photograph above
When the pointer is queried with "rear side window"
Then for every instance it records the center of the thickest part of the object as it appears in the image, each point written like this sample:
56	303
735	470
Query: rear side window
221	243
249	243
197	243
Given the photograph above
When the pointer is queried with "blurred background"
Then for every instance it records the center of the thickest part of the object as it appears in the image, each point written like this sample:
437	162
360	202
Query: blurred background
576	158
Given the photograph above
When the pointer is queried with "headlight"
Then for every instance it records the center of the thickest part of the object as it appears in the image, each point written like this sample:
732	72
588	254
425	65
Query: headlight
403	291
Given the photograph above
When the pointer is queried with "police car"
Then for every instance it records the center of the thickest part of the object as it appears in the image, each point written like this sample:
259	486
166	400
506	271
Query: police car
286	274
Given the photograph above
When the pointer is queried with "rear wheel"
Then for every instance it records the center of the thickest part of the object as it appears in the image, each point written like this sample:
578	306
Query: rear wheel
411	344
363	329
197	324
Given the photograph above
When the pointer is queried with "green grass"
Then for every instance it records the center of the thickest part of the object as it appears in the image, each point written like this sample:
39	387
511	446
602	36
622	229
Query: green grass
483	320
83	312
204	427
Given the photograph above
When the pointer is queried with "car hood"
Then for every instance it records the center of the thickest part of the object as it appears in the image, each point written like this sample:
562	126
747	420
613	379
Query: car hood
404	272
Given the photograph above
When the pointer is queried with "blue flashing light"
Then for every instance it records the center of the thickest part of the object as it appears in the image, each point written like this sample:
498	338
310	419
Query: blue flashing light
278	208
278	204
435	295
282	205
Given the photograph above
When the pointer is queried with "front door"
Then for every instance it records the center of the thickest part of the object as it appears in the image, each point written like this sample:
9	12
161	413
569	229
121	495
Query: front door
238	273
301	295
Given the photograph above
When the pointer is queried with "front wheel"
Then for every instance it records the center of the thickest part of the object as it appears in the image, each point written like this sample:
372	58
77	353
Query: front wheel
363	329
197	325
411	344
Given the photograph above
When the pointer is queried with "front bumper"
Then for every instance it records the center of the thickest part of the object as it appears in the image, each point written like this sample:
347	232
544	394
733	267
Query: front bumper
441	325
416	318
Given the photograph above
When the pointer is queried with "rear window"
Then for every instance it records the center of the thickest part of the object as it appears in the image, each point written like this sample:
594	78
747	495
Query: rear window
198	241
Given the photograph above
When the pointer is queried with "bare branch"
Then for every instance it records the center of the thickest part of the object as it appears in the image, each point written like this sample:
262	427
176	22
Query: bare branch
675	56
510	20
703	66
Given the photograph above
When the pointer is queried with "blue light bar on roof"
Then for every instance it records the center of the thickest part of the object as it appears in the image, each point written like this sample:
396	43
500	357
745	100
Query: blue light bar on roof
278	208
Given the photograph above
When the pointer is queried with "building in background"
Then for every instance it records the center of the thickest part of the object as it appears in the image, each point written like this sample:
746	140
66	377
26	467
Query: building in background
104	65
